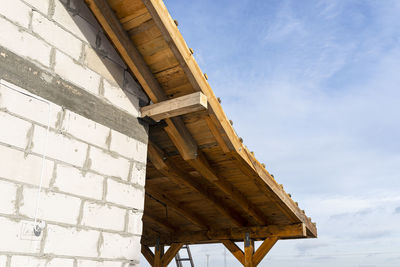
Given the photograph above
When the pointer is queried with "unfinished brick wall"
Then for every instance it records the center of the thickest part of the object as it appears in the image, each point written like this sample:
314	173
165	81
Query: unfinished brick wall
72	151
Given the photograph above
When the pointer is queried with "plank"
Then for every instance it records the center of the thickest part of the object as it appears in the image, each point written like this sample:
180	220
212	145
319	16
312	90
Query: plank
175	107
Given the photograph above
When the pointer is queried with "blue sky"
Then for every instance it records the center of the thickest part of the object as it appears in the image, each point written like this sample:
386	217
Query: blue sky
313	87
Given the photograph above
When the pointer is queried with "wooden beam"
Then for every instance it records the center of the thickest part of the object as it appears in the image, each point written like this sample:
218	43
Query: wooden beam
148	254
235	250
175	107
263	250
216	133
185	213
170	254
248	251
233	234
181	137
180	177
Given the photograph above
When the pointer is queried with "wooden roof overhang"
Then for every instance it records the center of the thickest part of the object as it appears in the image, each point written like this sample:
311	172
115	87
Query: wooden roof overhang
202	183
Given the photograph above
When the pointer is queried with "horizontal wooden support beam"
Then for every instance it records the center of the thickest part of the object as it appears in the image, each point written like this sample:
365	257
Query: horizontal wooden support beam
233	234
175	107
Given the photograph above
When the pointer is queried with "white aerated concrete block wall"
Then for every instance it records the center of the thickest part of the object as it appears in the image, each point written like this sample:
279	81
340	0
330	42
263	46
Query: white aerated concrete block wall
83	179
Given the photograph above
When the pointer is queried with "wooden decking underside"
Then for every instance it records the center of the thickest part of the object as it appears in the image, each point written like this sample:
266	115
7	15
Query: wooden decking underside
200	177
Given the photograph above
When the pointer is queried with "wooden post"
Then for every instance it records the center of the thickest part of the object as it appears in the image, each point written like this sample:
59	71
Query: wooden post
248	251
158	254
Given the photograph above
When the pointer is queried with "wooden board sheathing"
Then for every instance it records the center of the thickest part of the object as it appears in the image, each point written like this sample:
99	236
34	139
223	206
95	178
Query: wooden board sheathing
126	8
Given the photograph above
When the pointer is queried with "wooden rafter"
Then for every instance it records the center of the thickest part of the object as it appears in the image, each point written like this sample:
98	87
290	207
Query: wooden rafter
203	167
180	177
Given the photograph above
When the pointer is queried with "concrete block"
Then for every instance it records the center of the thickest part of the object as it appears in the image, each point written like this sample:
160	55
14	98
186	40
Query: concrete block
59	147
85	129
8	196
122	144
75	24
17	102
3	261
77	74
71	241
138	174
39	5
56	36
52	206
17	236
104	163
23	43
140	154
14	131
72	180
135	224
103	216
88	263
24	169
19	261
116	246
125	194
121	99
104	66
16	11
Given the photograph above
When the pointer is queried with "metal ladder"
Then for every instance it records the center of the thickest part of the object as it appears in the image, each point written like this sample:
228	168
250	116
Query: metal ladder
189	258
